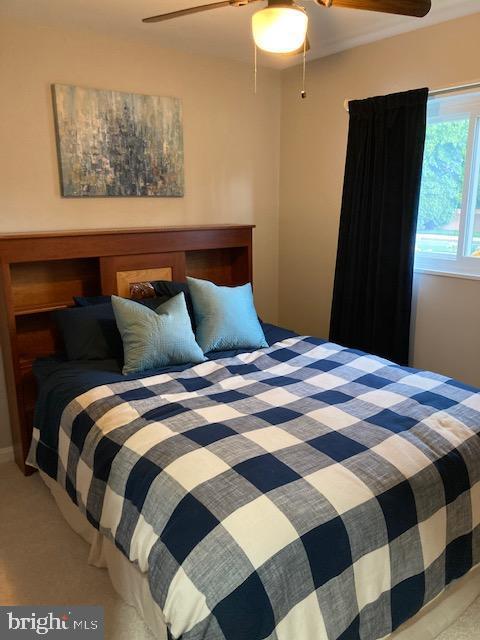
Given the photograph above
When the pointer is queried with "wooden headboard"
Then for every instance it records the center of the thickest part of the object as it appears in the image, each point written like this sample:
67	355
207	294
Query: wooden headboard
41	272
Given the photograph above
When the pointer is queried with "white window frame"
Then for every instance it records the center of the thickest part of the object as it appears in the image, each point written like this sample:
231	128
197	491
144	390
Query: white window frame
461	265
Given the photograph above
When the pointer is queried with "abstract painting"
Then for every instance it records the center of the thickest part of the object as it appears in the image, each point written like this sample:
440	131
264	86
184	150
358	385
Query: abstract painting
118	144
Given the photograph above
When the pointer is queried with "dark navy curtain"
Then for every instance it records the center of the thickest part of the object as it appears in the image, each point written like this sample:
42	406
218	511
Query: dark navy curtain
374	272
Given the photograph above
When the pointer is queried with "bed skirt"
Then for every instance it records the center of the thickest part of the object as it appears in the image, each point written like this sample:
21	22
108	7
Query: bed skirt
132	585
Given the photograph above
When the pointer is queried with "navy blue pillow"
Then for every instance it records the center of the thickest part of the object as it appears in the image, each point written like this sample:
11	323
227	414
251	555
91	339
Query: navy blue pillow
90	333
171	288
86	301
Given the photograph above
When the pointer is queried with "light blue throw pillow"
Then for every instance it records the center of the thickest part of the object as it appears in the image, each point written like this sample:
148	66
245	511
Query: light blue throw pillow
225	317
155	338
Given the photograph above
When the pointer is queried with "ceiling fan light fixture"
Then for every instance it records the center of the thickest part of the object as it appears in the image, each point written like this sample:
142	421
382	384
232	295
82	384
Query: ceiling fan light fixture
280	29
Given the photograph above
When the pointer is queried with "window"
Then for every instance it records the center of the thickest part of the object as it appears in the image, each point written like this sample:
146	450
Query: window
448	229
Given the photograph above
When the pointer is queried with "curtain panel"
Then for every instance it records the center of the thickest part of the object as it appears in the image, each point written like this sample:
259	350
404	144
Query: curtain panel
374	271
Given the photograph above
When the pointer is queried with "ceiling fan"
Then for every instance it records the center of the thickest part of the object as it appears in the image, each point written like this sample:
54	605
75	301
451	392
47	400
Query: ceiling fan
281	26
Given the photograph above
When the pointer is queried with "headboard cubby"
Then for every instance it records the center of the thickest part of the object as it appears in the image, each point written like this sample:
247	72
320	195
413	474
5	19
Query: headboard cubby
41	272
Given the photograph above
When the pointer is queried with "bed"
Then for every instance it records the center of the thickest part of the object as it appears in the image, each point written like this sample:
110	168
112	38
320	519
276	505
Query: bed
303	490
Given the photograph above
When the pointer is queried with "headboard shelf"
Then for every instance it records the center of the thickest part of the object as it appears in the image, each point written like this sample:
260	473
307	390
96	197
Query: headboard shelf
38	285
41	272
26	311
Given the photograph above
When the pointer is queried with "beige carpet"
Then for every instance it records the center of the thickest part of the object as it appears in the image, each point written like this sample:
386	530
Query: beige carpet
42	561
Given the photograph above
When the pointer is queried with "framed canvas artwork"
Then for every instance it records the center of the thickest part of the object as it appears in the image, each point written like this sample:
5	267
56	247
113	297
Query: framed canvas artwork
111	143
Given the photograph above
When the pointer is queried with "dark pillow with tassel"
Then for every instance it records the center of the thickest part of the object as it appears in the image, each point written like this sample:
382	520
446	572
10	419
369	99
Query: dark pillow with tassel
171	289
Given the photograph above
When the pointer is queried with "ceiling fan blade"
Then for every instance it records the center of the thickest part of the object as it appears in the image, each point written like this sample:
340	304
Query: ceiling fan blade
416	8
187	12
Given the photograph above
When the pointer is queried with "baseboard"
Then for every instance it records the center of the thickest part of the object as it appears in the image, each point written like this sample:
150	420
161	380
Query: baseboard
6	454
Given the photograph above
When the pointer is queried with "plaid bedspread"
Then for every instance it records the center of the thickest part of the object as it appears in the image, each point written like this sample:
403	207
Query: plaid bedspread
300	492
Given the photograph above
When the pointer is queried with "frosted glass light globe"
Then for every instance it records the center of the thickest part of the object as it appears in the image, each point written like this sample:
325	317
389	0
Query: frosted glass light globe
279	29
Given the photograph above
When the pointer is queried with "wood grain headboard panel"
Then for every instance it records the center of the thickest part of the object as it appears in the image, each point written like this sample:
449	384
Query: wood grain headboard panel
117	271
41	272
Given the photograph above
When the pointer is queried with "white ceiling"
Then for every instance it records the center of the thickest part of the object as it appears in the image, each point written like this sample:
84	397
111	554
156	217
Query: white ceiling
226	32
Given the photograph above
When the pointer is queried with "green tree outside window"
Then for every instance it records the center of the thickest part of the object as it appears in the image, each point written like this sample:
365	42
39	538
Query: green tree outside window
443	173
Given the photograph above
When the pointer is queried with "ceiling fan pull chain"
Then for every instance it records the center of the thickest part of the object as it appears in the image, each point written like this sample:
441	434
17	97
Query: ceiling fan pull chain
303	93
255	71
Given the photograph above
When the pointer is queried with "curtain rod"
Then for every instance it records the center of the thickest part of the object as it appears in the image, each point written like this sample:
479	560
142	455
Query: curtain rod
438	92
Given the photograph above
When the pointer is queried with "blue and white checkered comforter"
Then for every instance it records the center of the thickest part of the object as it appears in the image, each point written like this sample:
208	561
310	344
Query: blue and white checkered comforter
300	492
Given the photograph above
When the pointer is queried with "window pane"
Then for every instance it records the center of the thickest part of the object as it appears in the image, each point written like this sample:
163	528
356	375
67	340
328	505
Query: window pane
442	186
475	240
475	245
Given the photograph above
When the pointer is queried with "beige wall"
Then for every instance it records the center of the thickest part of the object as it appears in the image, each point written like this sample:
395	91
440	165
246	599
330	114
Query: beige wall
314	133
232	142
445	327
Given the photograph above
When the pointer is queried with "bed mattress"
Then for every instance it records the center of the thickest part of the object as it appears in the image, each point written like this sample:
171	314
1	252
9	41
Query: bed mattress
338	493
